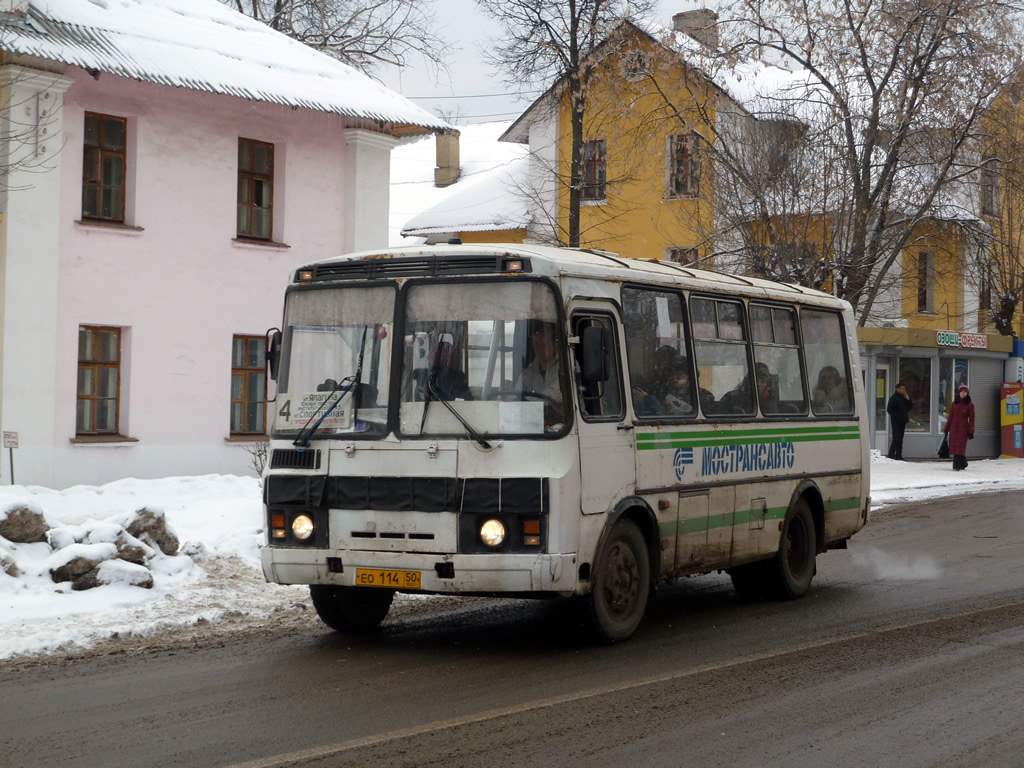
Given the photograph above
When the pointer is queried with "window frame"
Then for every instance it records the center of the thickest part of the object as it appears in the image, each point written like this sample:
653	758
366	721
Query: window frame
244	371
926	282
682	183
594	171
697	340
98	180
989	186
96	365
250	177
796	347
613	361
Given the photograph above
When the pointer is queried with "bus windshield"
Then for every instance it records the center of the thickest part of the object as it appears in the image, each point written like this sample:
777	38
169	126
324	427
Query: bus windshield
335	362
484	356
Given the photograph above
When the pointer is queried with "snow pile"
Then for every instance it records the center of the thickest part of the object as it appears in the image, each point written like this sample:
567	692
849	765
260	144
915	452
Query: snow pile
213	581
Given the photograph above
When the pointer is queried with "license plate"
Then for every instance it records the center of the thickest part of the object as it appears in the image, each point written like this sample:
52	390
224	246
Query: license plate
376	577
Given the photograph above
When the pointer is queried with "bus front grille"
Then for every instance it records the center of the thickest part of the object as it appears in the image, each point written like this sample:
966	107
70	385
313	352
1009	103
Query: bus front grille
286	458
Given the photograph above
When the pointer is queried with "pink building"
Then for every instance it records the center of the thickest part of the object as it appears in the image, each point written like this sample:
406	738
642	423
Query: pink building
166	164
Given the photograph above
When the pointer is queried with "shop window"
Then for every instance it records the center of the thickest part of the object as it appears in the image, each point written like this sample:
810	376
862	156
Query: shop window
916	373
952	373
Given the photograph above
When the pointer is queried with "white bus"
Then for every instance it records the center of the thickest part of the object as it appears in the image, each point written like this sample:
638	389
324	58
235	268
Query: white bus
532	421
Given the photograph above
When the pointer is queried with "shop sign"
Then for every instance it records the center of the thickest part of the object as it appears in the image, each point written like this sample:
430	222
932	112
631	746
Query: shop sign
962	340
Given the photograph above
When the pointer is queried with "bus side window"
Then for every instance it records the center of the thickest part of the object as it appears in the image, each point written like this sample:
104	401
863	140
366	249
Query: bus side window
776	350
826	361
599	400
660	372
720	350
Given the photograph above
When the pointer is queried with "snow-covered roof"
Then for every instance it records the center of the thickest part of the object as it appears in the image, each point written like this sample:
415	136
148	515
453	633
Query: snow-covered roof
202	45
488	195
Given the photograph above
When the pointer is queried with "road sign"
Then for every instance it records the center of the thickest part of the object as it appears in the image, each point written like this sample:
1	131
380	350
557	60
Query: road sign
10	439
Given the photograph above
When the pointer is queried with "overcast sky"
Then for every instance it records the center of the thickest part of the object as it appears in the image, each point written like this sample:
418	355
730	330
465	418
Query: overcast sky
473	92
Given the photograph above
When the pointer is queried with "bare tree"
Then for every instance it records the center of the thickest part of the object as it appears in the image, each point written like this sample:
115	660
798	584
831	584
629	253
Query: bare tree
999	269
361	33
555	42
889	99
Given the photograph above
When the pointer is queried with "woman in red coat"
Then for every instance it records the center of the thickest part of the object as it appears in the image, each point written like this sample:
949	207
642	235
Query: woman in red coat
960	427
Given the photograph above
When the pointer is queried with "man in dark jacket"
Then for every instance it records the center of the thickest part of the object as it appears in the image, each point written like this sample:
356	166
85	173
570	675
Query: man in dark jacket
899	414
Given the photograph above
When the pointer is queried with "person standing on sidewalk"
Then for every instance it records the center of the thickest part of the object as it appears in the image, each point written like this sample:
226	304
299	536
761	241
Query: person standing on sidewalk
898	408
960	427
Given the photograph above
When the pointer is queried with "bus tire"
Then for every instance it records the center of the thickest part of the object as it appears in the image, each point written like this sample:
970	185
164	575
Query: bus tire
750	581
351	609
791	570
620	585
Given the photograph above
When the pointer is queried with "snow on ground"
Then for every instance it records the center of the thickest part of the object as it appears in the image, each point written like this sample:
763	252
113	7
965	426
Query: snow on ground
216	579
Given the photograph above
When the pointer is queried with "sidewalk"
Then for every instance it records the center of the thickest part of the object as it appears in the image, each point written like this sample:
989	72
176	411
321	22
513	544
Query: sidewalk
901	481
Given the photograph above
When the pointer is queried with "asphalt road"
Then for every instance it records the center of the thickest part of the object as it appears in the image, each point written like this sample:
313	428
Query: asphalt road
909	651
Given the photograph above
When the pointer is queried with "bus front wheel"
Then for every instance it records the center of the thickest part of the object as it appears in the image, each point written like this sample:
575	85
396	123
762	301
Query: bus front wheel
792	569
620	585
351	609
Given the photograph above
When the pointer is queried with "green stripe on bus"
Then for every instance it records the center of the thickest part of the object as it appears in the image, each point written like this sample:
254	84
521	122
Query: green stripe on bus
727	440
744	517
853	429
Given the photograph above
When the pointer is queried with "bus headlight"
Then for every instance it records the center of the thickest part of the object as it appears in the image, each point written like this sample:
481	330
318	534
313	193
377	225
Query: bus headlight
492	533
302	527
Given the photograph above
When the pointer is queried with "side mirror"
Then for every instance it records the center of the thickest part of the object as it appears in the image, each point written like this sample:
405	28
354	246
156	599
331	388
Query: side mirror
273	354
593	365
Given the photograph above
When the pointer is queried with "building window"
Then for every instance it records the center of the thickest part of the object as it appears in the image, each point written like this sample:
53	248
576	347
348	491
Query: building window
683	165
594	170
925	281
985	289
990	186
248	385
255	189
103	167
688	257
99	376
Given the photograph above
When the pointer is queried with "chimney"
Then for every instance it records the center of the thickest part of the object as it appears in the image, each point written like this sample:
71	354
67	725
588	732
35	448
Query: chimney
701	25
447	170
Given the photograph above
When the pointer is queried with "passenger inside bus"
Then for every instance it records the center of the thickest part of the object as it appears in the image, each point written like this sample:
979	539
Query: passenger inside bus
446	380
767	389
542	377
830	393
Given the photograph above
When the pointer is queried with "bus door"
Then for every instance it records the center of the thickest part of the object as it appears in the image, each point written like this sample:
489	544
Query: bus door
605	440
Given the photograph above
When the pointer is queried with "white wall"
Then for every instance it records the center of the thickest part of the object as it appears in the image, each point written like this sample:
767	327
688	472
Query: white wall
177	282
29	265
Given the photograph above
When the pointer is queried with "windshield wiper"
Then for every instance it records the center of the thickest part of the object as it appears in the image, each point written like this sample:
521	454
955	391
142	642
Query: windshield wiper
432	395
350	383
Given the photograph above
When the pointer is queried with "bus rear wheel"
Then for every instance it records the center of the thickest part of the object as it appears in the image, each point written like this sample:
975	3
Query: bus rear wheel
620	585
791	570
351	609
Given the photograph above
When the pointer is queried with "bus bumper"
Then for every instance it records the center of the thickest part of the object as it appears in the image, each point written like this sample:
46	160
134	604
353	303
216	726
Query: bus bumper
465	574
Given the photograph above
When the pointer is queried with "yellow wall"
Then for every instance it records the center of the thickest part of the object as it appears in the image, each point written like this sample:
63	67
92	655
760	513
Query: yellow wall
494	236
943	241
637	220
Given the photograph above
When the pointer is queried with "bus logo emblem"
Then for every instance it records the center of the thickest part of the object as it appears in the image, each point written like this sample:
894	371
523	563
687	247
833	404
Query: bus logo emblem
683	457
